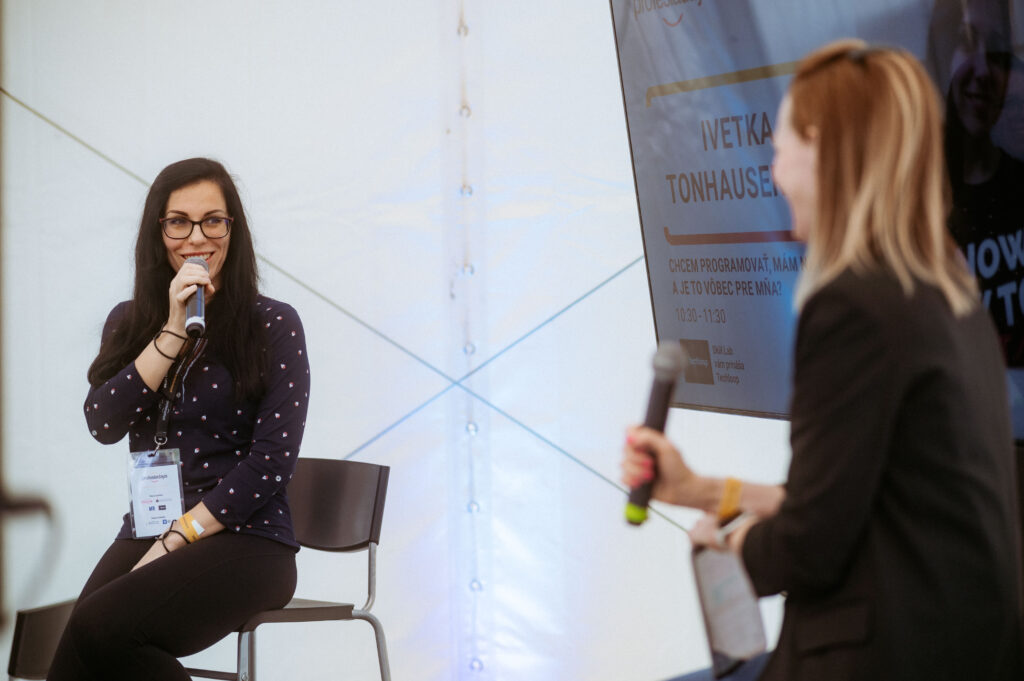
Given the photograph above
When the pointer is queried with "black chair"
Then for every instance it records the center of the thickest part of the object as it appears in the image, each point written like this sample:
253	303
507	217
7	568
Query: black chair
36	635
336	506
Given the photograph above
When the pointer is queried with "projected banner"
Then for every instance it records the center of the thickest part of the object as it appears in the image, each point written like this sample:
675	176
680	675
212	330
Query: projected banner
702	81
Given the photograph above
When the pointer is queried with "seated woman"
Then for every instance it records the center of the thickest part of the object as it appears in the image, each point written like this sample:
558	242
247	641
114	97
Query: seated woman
895	537
232	403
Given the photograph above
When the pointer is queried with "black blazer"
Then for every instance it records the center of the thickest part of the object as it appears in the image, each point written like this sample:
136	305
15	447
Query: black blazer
898	544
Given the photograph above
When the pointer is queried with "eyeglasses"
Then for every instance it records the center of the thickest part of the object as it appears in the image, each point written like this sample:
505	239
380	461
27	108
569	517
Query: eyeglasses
213	227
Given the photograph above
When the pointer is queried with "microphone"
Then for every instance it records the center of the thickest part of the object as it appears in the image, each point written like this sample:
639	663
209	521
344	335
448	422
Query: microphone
669	361
195	306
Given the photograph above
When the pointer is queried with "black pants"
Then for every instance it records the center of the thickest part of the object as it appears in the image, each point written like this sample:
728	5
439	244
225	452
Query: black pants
134	625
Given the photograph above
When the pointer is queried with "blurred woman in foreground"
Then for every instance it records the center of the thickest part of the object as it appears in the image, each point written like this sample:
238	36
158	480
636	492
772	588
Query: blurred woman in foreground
895	537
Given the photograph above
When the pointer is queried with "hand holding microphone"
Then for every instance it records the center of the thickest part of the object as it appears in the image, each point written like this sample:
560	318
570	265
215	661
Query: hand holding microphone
188	292
668	362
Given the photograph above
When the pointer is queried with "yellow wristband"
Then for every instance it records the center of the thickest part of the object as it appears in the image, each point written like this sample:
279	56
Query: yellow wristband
729	506
185	522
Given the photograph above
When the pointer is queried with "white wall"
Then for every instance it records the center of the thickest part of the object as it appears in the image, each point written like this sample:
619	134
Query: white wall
342	122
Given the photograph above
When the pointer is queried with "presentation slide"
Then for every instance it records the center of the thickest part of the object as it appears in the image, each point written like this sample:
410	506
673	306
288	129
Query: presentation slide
702	81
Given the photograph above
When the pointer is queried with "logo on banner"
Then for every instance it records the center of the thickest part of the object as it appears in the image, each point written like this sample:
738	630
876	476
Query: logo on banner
642	7
698	361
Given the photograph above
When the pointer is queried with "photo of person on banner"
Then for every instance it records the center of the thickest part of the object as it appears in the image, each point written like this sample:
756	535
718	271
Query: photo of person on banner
972	52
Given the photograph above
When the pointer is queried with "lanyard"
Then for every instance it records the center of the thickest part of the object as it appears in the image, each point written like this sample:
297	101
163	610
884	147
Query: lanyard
170	389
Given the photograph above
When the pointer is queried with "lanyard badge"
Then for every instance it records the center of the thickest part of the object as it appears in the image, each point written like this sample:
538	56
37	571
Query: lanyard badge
157	495
154	477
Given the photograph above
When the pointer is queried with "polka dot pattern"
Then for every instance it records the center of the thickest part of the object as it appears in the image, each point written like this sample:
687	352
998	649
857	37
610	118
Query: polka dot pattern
233	454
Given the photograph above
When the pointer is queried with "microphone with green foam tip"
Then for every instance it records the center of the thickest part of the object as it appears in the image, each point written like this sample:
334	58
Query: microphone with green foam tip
669	361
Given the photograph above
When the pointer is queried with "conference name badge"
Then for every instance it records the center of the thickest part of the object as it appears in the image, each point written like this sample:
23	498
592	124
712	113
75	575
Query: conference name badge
157	495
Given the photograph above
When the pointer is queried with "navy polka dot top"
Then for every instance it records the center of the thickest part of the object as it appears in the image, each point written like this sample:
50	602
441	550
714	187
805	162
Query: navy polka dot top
235	457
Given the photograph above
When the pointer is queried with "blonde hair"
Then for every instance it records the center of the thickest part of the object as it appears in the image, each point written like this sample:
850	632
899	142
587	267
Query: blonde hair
883	195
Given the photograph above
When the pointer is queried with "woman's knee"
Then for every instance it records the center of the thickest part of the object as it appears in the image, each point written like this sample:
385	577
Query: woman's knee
99	629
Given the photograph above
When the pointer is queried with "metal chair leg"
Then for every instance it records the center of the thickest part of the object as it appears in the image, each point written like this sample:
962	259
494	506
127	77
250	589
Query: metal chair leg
382	647
247	656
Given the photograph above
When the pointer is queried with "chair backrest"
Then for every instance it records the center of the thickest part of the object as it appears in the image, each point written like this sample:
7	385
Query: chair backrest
36	634
337	505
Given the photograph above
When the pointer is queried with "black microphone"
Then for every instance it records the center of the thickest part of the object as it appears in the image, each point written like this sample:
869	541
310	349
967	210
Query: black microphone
669	361
195	306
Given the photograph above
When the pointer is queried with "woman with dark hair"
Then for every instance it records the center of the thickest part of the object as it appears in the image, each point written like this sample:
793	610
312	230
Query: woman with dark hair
895	536
226	409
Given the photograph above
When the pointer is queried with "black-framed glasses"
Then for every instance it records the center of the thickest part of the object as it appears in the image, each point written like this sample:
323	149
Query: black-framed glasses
180	227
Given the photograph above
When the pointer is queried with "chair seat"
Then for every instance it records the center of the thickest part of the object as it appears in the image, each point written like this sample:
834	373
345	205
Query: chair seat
37	632
301	610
